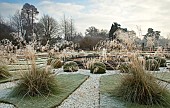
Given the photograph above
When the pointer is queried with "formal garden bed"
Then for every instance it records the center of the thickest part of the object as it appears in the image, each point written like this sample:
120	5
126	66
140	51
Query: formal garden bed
109	100
70	74
66	84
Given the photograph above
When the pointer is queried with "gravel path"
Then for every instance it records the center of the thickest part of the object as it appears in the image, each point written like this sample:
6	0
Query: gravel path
4	86
7	85
87	95
3	105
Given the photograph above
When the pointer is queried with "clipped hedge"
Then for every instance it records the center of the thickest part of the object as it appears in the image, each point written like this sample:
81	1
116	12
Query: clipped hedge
98	68
70	66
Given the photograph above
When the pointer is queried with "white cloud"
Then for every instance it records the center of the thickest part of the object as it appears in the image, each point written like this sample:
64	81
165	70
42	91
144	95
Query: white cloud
129	13
52	8
7	9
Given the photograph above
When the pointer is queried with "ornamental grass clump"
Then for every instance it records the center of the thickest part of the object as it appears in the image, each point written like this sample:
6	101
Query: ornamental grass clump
141	87
70	66
98	68
37	81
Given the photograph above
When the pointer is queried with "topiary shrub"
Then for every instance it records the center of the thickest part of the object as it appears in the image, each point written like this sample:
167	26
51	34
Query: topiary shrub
98	68
80	64
161	61
70	66
4	72
141	87
56	63
152	65
124	68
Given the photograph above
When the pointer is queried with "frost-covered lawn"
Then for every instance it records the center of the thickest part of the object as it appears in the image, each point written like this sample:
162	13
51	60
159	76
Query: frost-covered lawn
23	64
164	76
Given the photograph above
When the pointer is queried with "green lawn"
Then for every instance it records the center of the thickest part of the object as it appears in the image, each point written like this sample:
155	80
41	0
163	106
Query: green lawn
66	84
14	76
19	67
164	76
25	62
107	98
4	80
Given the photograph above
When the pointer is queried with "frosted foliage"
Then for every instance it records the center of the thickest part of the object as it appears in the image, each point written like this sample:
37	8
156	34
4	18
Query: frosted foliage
126	37
124	41
30	48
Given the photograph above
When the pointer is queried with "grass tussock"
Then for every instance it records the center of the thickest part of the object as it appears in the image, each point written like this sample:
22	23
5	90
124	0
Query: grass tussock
141	87
37	81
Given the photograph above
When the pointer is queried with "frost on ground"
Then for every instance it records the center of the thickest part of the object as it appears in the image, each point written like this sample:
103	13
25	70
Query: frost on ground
3	105
87	95
7	85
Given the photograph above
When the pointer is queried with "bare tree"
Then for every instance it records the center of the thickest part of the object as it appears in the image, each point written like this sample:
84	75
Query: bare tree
16	22
49	27
67	28
5	30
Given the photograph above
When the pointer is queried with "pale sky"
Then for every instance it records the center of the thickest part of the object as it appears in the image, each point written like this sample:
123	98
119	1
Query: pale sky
101	13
